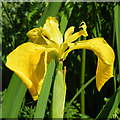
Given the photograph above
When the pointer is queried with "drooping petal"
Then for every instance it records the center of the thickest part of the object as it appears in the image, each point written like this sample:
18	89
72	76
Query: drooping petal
29	62
52	31
105	56
103	73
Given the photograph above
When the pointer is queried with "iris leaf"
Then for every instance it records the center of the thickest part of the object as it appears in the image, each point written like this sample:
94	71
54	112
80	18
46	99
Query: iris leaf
65	16
117	29
110	106
43	97
59	93
13	97
51	10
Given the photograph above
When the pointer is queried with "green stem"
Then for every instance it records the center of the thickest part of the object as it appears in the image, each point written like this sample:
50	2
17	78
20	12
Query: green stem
60	66
82	96
113	44
81	89
59	92
114	81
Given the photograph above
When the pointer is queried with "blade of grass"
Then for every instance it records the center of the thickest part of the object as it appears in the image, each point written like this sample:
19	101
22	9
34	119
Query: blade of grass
51	10
117	29
110	106
81	89
113	44
13	97
66	13
43	97
97	28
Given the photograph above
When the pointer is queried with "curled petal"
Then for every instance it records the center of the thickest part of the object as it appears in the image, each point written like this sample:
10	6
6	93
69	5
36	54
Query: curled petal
33	35
75	36
84	27
37	36
69	37
52	31
105	56
29	62
69	32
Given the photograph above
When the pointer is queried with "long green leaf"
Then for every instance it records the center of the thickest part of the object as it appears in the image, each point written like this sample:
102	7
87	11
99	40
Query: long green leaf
51	10
65	16
13	97
117	29
43	97
110	106
59	93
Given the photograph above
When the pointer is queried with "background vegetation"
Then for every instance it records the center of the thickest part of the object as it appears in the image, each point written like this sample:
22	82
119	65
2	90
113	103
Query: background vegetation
101	19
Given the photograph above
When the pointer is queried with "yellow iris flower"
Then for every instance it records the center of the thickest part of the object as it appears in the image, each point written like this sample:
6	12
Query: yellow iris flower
29	60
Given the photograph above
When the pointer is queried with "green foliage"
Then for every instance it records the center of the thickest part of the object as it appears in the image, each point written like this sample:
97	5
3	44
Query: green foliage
27	110
101	19
116	113
110	107
73	110
59	93
13	98
43	97
117	31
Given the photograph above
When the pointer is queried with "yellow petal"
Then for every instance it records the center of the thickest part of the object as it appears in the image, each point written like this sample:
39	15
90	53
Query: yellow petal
36	36
29	62
105	56
52	31
46	37
84	27
33	35
75	36
53	53
69	32
103	73
69	37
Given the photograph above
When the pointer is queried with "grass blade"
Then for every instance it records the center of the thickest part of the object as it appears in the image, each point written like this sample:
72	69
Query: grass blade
43	97
13	97
51	10
117	29
110	106
65	16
